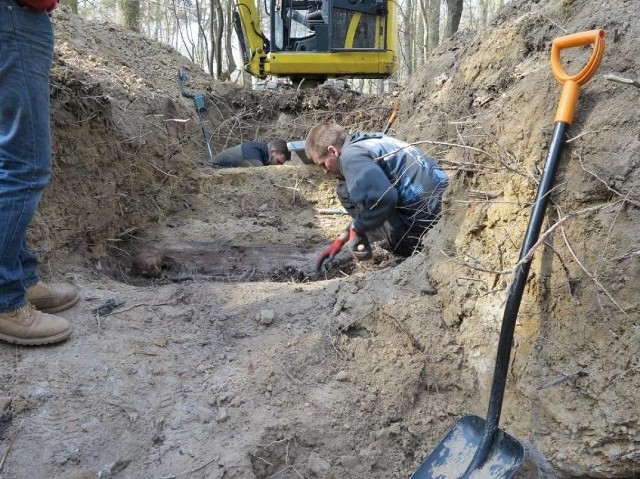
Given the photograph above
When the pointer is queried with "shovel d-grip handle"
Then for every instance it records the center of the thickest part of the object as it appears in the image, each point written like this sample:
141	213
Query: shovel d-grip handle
572	83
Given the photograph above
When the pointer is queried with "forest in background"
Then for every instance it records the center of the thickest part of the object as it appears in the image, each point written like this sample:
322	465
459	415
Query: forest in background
202	30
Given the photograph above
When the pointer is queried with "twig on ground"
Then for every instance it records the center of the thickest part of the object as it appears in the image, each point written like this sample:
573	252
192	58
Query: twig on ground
606	185
283	369
294	188
557	25
468	278
478	150
189	471
476	267
115	247
333	340
593	277
492	202
560	222
565	268
630	254
542	239
343	327
564	378
286	468
487	195
412	339
584	133
131	413
6	453
151	305
162	171
619	79
277	441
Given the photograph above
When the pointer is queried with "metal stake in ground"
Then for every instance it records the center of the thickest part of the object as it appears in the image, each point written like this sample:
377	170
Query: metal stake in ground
474	445
200	104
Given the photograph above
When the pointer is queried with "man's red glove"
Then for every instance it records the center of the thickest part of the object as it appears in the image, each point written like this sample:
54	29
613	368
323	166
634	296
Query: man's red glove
332	250
359	246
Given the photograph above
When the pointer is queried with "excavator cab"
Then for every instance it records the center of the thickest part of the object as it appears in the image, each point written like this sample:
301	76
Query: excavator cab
318	39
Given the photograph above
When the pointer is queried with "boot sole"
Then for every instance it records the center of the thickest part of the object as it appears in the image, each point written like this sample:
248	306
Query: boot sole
61	307
36	341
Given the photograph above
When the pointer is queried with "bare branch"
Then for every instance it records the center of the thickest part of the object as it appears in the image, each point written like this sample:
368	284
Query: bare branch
611	189
619	79
559	223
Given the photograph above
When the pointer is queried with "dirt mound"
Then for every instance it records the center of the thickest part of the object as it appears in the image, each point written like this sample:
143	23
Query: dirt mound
228	358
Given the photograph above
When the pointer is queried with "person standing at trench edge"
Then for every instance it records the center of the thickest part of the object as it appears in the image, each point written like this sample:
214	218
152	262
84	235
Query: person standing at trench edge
26	53
392	190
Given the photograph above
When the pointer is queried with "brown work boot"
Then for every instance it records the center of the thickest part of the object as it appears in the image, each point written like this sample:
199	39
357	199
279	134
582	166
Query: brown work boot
52	298
29	326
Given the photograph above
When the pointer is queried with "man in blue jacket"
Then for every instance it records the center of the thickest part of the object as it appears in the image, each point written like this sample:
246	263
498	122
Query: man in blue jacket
253	153
392	190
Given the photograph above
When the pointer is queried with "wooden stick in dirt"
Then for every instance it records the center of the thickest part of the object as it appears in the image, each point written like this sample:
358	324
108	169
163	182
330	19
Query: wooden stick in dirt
619	79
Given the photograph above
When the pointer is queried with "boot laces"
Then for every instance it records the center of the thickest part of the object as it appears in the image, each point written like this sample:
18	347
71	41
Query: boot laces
24	313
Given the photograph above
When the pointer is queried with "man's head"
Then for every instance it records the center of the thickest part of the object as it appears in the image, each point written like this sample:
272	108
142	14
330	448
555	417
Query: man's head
279	154
324	145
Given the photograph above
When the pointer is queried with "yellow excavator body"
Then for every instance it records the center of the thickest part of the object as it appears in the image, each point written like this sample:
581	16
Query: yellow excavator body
319	39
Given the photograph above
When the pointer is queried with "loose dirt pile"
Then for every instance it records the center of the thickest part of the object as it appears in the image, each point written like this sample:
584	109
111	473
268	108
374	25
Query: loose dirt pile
204	344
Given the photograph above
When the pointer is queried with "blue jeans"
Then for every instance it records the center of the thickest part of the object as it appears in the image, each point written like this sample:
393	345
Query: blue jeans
26	53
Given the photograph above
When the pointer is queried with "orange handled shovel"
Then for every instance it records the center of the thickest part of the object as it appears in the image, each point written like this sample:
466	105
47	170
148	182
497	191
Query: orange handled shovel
473	447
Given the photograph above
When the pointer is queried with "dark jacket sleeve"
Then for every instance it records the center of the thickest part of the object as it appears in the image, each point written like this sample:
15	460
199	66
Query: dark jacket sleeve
255	153
229	158
368	187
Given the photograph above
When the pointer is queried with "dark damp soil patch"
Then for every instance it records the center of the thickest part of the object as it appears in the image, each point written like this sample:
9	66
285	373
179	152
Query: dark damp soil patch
197	261
207	261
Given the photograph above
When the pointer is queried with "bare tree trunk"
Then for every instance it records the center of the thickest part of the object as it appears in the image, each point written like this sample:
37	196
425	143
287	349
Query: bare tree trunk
418	35
231	62
484	12
214	40
71	3
172	37
187	31
157	23
473	23
407	43
454	13
433	12
182	35
204	57
421	36
130	14
217	29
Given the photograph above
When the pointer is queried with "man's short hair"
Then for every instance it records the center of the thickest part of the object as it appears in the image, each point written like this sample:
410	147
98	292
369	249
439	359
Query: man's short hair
281	147
322	136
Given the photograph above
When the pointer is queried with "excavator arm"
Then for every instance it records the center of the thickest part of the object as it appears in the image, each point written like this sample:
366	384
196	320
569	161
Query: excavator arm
253	44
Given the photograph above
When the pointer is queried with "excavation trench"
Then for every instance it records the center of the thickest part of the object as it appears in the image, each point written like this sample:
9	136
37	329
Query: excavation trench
226	235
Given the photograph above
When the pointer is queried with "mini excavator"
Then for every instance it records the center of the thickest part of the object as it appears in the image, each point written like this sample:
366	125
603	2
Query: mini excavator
314	40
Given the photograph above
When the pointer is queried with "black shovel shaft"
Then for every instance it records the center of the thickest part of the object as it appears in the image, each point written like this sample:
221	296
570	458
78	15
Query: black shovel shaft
499	452
507	330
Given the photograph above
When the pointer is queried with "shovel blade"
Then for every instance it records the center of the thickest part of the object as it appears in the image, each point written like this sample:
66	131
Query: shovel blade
450	458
